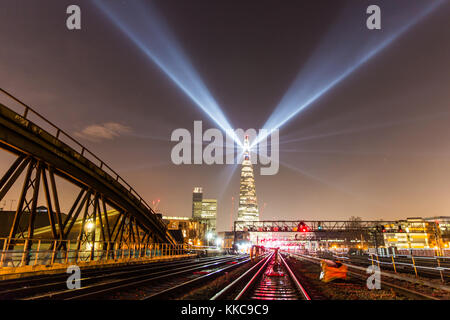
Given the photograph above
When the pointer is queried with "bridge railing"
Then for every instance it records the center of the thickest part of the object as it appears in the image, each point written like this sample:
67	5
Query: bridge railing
59	134
25	252
436	264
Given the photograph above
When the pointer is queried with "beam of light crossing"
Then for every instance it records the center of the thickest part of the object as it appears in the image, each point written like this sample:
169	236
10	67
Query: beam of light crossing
331	184
147	30
376	126
334	186
342	52
225	176
402	154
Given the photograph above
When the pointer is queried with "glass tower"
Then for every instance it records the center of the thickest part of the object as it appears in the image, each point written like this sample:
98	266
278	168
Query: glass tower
204	210
248	206
197	199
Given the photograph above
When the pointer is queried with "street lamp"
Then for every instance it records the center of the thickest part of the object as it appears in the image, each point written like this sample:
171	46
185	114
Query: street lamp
90	226
209	236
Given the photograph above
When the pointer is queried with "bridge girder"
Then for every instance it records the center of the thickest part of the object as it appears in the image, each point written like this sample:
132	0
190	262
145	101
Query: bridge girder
315	226
42	156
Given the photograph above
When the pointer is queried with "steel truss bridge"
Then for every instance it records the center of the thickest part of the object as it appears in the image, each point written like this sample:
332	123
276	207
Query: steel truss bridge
41	156
316	230
309	226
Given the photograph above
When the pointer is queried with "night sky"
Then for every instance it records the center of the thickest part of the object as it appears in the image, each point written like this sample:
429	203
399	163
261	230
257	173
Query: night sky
375	145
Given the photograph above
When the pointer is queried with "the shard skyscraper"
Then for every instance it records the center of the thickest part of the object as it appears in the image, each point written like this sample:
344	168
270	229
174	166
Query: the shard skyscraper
248	205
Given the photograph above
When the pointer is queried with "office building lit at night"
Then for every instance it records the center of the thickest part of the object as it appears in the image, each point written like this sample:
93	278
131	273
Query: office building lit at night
204	210
248	205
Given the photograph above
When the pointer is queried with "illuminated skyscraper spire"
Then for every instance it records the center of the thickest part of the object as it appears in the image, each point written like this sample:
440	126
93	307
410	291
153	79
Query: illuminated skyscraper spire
248	206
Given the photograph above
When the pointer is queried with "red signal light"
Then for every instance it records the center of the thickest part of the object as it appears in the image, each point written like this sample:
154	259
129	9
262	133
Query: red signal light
302	227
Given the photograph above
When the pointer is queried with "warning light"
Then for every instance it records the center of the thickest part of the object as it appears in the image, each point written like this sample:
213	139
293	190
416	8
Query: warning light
302	227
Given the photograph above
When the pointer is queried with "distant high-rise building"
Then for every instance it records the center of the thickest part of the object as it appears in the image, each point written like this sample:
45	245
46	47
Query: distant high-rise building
209	213
248	206
204	210
197	198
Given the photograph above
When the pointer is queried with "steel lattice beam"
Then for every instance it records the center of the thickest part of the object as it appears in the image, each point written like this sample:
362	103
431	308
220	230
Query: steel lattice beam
311	226
42	156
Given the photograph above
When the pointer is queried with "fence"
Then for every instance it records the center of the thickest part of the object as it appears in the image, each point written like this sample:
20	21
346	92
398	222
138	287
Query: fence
384	259
420	264
26	252
423	252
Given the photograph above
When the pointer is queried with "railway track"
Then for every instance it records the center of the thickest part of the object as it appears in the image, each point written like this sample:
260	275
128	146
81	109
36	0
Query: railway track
270	279
29	282
393	282
99	283
184	283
